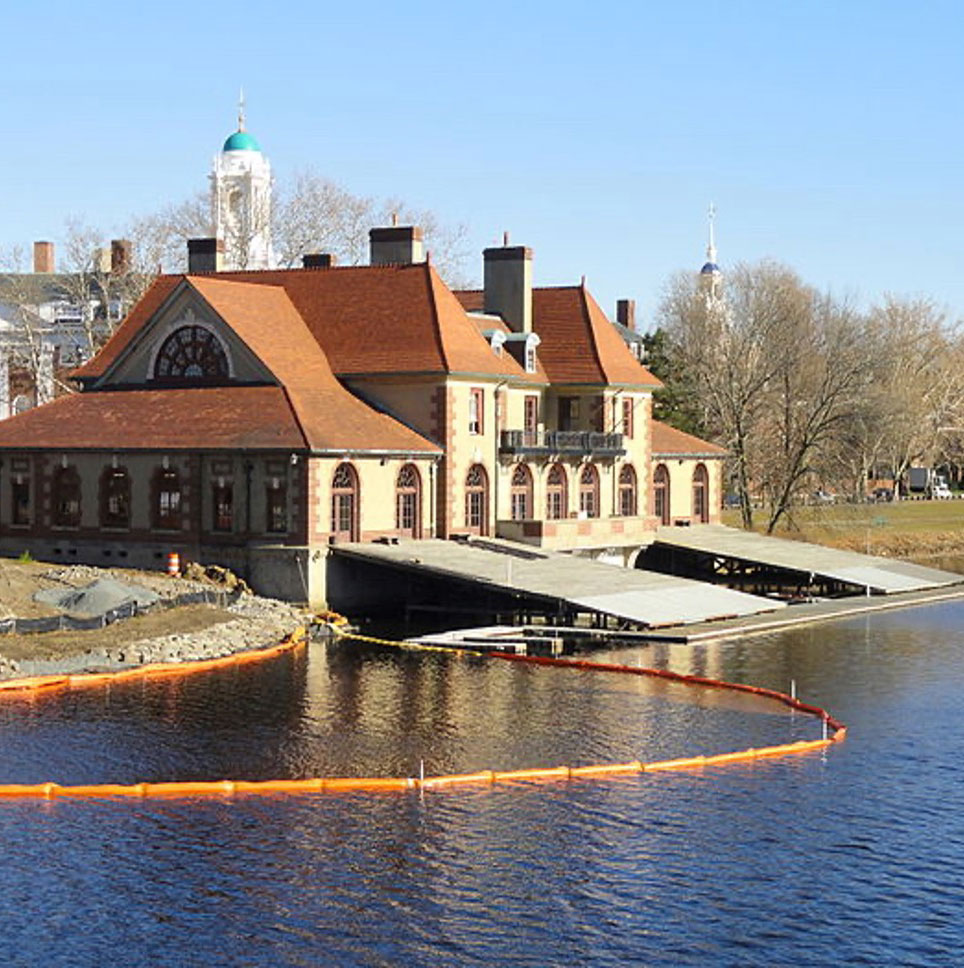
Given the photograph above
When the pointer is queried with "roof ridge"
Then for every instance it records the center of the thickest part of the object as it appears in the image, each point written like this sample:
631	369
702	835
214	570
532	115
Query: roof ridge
593	341
431	275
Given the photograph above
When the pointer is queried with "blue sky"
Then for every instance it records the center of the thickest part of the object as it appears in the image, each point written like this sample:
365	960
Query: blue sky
827	134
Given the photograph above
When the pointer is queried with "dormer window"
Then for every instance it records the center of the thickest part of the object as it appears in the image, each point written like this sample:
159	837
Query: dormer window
496	340
191	353
530	358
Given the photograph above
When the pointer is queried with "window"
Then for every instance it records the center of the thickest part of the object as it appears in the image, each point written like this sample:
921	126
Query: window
222	504
530	420
20	494
589	492
476	410
661	494
66	498
520	493
344	503
701	504
530	358
628	417
191	353
276	506
568	413
115	498
167	500
557	493
477	499
627	491
407	501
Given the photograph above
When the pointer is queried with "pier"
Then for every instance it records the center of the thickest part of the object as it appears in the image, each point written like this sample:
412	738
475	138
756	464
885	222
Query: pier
758	563
493	578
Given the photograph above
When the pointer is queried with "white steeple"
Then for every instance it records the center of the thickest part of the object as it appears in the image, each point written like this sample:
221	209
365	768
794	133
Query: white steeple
710	274
241	200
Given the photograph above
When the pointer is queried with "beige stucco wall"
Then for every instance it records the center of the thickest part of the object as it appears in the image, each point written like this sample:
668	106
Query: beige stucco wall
376	495
681	472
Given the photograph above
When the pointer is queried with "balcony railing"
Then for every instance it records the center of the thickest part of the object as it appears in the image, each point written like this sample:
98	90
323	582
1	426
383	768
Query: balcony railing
538	443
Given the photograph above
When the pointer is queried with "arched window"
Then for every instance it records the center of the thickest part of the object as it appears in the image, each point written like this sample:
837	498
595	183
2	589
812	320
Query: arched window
701	491
557	493
477	500
166	500
627	491
661	494
344	503
66	497
115	498
408	503
589	492
520	492
191	353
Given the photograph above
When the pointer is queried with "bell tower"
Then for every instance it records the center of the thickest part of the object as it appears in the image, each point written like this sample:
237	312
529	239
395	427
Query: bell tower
241	200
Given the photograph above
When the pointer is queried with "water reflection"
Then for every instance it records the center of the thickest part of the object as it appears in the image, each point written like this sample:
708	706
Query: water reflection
842	858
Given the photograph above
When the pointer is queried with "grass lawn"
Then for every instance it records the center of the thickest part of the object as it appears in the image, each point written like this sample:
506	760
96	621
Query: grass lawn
902	529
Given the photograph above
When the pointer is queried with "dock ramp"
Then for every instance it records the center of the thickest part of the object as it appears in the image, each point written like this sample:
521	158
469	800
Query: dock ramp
561	582
721	547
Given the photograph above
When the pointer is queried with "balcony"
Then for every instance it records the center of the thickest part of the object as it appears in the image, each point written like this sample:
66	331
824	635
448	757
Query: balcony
561	443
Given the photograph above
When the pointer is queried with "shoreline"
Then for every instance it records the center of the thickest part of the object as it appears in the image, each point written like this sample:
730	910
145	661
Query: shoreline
167	634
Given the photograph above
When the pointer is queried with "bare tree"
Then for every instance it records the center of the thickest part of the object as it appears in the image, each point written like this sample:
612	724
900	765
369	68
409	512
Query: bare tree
779	368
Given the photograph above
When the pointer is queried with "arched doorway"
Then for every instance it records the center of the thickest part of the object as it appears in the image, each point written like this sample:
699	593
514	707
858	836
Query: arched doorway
557	493
661	494
589	492
477	500
627	491
701	494
344	503
520	492
408	503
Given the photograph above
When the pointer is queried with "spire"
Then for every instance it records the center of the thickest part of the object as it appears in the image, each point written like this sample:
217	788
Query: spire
241	110
711	245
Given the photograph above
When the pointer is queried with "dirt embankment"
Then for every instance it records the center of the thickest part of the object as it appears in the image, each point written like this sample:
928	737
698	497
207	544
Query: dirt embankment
167	634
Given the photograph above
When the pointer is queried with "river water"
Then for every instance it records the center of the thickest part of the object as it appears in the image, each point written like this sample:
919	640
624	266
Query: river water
850	856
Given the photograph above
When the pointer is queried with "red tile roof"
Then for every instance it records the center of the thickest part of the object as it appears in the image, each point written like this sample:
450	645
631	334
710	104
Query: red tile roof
579	344
667	441
256	418
330	416
366	319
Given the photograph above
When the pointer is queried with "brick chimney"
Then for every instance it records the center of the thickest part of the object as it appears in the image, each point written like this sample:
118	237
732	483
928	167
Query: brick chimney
43	257
396	245
317	260
120	255
205	255
626	313
507	281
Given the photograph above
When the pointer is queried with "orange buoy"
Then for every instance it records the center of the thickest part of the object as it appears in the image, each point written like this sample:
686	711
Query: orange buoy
173	564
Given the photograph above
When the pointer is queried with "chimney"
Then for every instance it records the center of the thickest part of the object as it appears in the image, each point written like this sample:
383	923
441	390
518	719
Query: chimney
43	257
204	255
397	245
102	260
317	260
626	313
120	255
507	280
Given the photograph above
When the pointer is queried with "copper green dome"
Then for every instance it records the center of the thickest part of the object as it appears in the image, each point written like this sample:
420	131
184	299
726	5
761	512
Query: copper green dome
241	141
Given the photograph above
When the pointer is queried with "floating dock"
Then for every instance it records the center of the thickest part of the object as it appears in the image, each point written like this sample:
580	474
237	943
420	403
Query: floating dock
743	557
550	583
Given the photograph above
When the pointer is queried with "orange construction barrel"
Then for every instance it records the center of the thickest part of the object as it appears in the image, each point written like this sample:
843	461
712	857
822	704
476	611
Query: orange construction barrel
173	563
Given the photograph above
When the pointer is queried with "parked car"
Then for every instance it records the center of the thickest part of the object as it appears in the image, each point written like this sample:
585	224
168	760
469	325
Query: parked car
823	497
941	492
882	494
